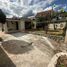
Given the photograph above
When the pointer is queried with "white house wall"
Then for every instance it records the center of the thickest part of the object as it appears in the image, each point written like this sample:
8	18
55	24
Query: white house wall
34	22
4	26
0	27
51	26
11	26
21	25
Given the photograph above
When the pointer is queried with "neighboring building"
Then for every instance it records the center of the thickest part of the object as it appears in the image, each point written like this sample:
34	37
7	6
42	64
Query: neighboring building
49	15
60	20
52	18
45	14
61	15
43	17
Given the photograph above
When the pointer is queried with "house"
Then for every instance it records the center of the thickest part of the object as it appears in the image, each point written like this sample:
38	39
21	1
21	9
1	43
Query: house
59	24
52	18
45	14
28	24
17	24
60	20
42	18
13	24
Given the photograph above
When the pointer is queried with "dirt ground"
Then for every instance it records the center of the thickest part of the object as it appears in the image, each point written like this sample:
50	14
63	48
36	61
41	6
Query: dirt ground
5	61
27	50
23	52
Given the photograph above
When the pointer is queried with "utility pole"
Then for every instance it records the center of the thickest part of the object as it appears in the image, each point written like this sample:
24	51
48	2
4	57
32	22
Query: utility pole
53	14
65	32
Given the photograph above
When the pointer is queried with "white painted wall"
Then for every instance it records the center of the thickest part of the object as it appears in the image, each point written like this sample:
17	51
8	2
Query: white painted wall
34	24
21	25
0	27
5	27
11	26
51	26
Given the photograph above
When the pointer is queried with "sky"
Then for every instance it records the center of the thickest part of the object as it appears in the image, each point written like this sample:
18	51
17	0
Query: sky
25	8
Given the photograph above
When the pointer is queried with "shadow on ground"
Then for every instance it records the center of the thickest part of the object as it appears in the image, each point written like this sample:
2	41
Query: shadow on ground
5	60
44	47
17	46
18	34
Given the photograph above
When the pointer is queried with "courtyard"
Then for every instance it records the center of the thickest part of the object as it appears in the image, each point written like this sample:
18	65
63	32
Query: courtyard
28	50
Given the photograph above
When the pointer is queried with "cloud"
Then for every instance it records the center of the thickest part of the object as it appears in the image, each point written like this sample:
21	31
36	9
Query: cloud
48	8
25	7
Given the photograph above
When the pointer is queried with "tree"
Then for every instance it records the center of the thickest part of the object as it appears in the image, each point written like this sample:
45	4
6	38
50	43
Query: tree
40	19
62	10
42	22
2	18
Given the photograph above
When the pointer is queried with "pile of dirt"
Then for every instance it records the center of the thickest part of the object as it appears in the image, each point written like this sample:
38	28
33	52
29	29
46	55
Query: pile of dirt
62	61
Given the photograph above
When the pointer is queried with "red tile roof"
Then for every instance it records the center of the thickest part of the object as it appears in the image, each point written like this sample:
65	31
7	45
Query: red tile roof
44	14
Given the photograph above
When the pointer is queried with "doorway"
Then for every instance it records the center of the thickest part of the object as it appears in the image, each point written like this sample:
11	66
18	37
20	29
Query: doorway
12	26
17	26
28	25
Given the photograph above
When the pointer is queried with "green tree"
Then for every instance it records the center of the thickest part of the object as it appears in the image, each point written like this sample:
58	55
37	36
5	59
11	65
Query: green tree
2	18
62	10
40	19
43	22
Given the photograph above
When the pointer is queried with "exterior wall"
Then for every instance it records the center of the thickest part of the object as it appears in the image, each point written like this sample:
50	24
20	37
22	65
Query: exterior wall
59	25
5	27
0	27
34	22
11	26
51	27
21	25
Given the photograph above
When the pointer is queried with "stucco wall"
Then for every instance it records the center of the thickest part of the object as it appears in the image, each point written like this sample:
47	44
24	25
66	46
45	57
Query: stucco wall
34	22
59	25
11	26
0	27
21	25
5	27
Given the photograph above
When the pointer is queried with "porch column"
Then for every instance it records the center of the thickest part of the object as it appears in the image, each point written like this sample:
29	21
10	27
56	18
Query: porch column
66	34
21	25
34	24
0	27
5	27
